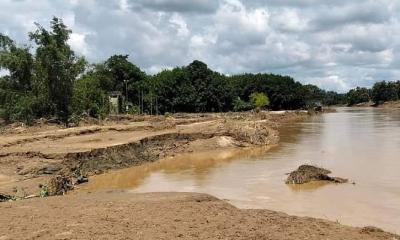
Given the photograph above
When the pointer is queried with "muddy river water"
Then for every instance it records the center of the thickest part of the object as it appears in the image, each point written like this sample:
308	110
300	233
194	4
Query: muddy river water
360	144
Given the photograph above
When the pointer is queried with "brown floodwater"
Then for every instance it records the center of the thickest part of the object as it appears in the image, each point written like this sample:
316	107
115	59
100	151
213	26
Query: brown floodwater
360	144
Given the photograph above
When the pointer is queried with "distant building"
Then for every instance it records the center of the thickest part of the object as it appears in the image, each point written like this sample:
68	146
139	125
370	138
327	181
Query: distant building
115	99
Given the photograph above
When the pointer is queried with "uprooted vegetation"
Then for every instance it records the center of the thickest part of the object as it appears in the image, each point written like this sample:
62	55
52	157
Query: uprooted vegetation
308	173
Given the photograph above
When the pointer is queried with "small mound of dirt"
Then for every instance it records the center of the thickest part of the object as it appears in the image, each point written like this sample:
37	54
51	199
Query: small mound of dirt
308	173
370	229
255	133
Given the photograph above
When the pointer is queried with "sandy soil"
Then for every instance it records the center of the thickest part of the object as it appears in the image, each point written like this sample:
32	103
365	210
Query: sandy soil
385	105
390	105
31	155
122	215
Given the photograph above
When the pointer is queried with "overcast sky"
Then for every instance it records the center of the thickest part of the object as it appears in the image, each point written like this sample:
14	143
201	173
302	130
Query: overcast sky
335	44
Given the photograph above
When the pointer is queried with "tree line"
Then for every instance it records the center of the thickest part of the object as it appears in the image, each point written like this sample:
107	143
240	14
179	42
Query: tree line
50	80
382	91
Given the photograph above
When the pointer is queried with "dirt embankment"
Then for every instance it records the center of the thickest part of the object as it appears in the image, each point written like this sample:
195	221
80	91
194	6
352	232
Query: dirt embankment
390	105
31	155
122	215
385	105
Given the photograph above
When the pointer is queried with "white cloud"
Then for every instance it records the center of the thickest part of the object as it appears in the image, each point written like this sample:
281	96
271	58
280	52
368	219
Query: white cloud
289	20
330	82
78	43
334	44
179	23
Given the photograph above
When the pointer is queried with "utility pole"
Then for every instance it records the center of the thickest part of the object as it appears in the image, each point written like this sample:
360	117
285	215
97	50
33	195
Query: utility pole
151	103
156	104
142	103
139	101
126	96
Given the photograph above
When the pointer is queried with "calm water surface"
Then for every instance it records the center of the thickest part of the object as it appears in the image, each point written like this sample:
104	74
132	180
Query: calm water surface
360	144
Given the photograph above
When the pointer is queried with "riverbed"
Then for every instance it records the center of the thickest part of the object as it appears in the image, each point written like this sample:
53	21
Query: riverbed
362	144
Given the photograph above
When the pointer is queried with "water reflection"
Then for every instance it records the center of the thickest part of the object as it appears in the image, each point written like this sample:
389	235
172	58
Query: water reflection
197	165
312	186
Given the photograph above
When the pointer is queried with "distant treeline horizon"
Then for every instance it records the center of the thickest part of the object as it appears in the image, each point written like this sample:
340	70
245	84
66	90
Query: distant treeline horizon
382	91
51	81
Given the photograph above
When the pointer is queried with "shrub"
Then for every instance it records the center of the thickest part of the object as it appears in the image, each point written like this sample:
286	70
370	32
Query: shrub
259	100
240	105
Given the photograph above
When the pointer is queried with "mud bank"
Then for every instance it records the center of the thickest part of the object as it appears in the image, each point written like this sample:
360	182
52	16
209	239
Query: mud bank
384	105
32	155
122	215
390	105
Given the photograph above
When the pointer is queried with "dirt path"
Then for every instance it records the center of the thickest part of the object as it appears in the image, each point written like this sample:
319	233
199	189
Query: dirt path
121	215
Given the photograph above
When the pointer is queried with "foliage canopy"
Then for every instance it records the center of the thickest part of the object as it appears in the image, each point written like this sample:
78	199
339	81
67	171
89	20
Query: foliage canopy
50	80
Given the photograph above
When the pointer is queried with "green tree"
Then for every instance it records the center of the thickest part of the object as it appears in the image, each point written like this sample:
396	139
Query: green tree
384	91
89	98
313	95
57	65
333	98
259	100
16	100
18	61
282	91
52	82
117	73
358	95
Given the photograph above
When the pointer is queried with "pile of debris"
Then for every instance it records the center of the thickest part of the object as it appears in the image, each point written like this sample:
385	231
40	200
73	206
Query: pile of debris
251	132
60	185
308	173
5	198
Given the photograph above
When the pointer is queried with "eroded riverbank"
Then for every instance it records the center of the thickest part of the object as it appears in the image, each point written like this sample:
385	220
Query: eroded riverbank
121	215
29	156
359	144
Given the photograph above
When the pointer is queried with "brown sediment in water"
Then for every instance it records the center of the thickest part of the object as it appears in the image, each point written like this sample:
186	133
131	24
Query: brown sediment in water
201	161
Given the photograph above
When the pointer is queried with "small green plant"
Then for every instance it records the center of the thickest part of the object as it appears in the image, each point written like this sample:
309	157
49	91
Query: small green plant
44	191
168	115
134	110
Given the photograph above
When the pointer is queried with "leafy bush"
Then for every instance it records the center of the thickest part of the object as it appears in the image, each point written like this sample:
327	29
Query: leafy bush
23	108
259	100
240	105
134	110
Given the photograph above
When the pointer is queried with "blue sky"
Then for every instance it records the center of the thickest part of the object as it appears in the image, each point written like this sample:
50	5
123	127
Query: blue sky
336	45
